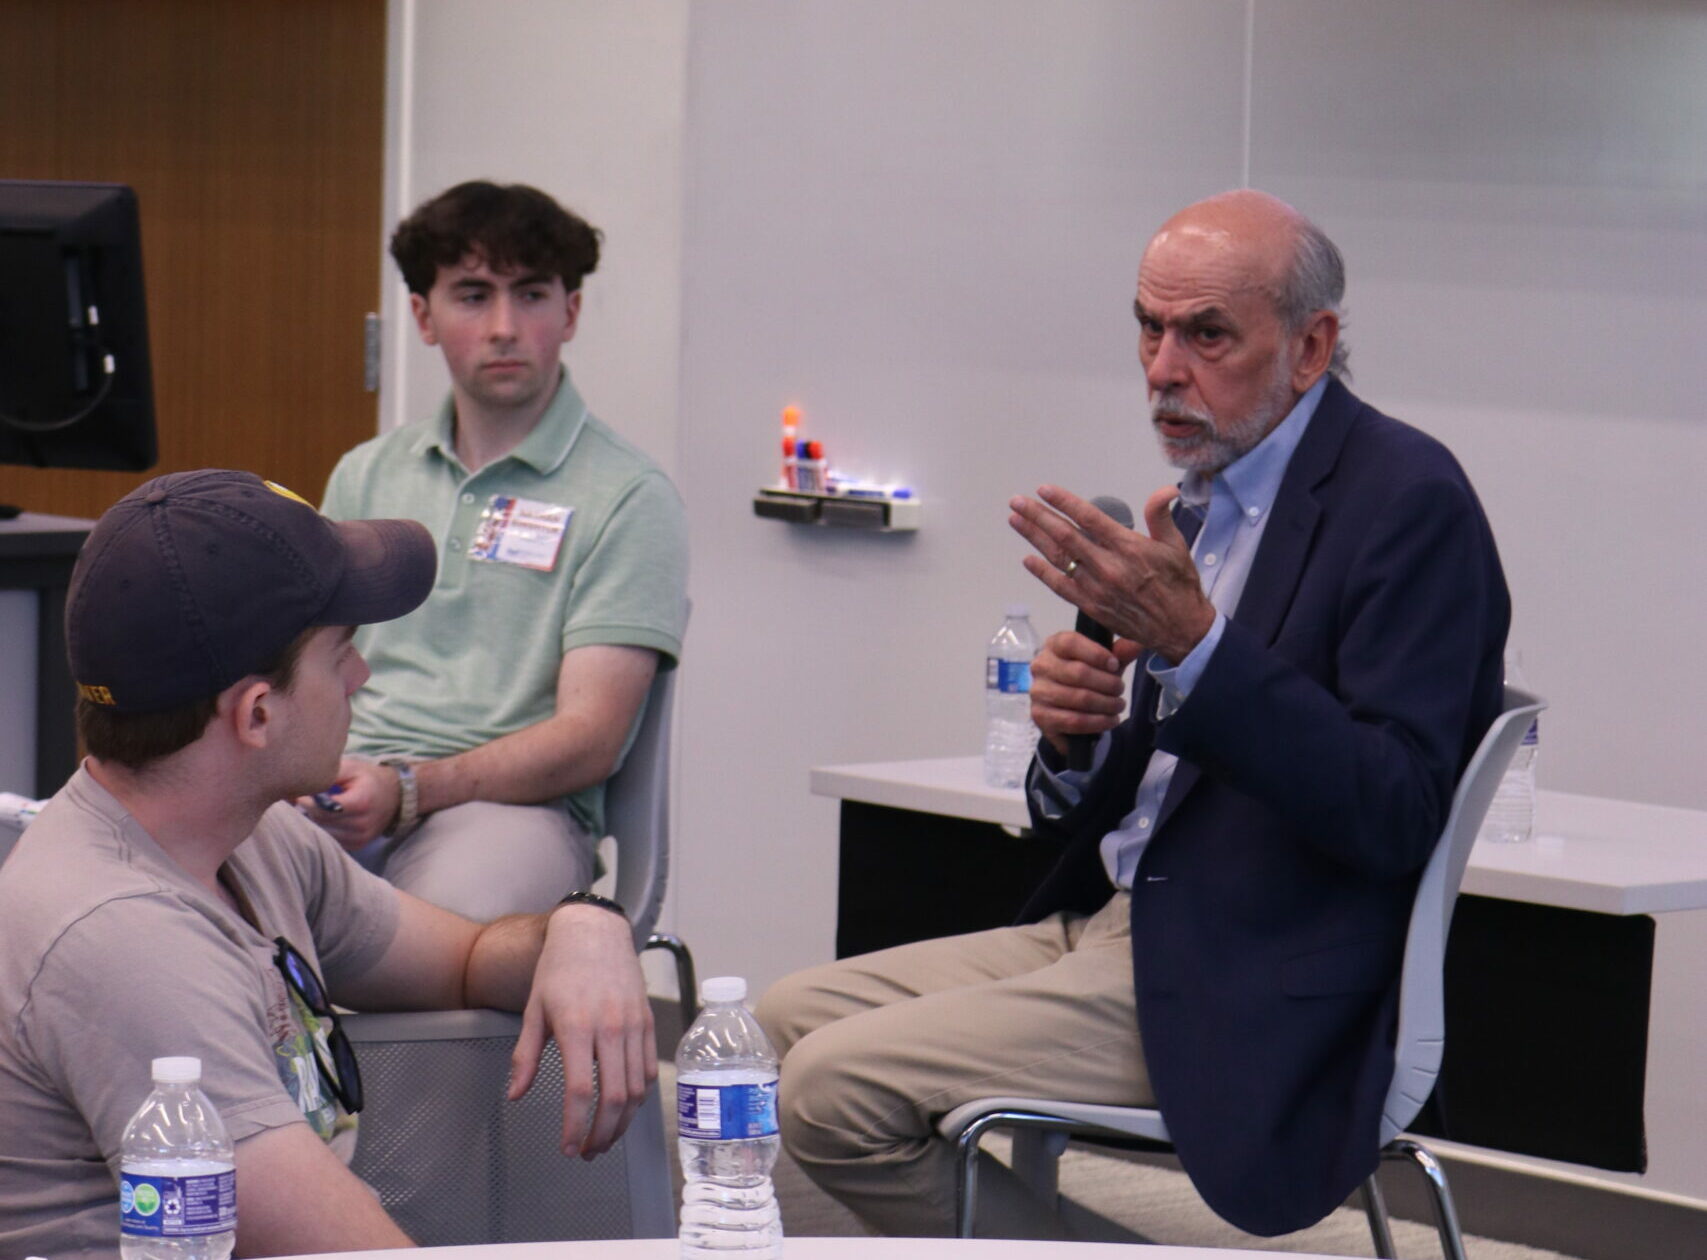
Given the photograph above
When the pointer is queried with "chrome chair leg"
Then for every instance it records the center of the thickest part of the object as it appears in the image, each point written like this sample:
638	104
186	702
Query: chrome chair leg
1380	1229
1038	1139
687	985
1037	1161
1445	1215
966	1172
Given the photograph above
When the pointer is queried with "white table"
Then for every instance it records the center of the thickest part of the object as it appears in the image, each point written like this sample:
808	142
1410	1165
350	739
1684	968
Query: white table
1590	853
836	1249
1552	948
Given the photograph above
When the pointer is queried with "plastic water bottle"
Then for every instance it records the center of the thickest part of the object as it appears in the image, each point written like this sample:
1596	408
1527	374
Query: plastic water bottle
177	1180
1511	816
1009	736
727	1129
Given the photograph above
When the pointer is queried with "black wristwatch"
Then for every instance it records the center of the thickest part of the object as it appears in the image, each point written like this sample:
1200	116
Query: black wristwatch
581	897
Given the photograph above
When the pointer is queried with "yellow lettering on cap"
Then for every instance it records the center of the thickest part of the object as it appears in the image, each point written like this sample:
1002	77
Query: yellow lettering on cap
288	493
95	695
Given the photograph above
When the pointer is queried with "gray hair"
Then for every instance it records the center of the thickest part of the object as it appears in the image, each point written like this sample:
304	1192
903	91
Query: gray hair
1315	281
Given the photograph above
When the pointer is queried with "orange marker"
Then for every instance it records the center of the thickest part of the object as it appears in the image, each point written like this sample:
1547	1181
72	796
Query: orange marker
790	447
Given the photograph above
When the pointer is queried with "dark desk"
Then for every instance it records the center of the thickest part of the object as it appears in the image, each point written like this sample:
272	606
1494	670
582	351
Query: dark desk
1547	933
36	553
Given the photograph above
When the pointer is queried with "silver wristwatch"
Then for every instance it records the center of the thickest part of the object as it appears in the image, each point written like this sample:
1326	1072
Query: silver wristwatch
408	798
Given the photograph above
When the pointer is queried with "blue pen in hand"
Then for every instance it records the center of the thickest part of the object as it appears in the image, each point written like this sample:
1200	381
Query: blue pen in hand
324	799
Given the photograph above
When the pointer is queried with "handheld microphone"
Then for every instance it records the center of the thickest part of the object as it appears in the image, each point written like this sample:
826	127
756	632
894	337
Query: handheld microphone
1081	749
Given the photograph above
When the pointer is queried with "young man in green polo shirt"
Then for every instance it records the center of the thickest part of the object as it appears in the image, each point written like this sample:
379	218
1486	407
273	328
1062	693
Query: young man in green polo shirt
478	750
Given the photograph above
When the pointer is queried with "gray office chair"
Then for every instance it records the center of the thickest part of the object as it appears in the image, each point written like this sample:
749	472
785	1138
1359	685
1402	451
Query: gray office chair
453	1162
1041	1126
637	814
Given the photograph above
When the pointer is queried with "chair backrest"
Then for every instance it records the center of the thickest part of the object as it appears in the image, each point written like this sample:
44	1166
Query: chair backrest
637	811
1422	1001
454	1163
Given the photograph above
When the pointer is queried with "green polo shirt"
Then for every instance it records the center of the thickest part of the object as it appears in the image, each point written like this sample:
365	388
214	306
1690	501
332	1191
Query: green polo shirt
480	658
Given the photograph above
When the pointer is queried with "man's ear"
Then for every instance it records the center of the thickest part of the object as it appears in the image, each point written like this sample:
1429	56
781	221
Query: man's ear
1321	334
246	709
423	319
574	317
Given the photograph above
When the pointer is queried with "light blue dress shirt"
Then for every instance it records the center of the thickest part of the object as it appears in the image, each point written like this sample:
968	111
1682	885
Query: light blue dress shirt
1238	499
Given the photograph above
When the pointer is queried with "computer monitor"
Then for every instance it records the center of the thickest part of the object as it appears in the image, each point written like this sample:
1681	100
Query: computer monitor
75	386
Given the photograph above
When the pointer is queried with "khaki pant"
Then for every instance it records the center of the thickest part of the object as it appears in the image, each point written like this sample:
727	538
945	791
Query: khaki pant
877	1048
484	859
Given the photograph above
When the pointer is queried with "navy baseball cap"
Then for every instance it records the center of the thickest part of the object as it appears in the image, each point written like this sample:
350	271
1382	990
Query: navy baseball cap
198	579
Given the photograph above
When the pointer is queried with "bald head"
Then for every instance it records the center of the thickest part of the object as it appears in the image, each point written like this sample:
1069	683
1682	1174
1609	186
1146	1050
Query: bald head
1249	237
1238	303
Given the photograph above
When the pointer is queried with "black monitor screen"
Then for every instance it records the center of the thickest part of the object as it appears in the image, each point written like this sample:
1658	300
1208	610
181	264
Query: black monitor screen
75	390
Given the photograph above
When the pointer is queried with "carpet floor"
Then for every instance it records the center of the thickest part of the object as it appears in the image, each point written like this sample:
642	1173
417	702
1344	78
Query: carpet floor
1112	1198
1144	1202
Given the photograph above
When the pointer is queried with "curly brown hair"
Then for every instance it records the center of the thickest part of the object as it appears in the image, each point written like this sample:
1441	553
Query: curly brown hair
512	226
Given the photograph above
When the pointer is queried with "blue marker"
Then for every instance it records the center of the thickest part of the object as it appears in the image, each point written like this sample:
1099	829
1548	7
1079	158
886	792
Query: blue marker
324	799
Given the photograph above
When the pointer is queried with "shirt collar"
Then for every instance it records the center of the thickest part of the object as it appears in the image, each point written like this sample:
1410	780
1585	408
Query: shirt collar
1254	478
543	450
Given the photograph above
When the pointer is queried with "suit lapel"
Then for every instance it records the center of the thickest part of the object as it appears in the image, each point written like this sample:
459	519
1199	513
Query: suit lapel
1280	560
1279	563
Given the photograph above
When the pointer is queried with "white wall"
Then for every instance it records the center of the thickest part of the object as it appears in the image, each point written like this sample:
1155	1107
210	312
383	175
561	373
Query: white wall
1520	195
920	220
583	100
921	223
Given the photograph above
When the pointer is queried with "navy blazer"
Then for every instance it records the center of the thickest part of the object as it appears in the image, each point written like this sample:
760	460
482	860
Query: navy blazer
1318	756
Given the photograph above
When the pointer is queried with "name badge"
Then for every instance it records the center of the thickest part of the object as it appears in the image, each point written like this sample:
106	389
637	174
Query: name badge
522	532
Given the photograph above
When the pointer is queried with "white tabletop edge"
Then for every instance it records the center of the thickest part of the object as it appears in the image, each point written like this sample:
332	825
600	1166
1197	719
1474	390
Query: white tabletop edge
1590	853
1575	894
953	786
832	1249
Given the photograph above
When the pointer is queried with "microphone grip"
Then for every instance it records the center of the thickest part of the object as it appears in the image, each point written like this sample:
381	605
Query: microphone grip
1081	749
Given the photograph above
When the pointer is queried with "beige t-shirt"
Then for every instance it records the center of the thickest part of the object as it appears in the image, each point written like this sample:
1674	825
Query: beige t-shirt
113	956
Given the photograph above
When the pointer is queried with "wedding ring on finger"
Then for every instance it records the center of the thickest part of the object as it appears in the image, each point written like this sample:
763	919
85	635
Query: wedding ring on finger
1071	567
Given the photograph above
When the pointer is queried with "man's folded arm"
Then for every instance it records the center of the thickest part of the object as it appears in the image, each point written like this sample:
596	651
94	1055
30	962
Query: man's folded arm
573	975
600	690
295	1197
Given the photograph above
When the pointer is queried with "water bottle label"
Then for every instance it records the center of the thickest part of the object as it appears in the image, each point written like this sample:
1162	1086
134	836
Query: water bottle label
1009	676
177	1207
721	1113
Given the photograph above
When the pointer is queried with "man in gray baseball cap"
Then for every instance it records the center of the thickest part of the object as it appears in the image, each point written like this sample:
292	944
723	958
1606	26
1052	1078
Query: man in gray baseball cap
170	901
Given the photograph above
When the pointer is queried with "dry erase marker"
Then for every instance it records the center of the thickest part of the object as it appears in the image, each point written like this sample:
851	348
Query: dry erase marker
812	467
790	446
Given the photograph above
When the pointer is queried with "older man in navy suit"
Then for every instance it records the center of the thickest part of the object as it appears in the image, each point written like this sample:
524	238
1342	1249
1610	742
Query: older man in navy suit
1317	615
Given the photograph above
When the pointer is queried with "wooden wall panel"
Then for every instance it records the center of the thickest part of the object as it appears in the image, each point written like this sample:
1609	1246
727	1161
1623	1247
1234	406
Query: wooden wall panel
253	133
